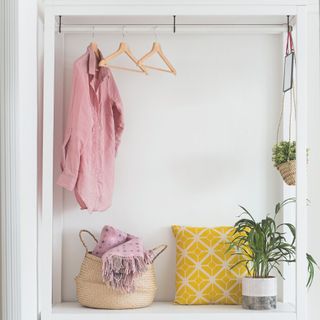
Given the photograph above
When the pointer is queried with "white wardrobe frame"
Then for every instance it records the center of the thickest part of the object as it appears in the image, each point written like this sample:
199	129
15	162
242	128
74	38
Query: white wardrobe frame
65	311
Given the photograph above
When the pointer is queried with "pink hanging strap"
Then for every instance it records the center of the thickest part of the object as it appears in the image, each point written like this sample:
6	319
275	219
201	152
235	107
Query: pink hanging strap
289	45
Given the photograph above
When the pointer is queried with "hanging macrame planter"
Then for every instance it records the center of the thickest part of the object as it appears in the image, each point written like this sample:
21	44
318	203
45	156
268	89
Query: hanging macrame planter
284	152
288	172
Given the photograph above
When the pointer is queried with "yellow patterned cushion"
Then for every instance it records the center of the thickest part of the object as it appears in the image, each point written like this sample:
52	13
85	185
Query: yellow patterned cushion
203	274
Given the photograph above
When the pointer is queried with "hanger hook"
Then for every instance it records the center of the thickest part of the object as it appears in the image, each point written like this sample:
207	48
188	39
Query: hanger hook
93	33
155	33
123	32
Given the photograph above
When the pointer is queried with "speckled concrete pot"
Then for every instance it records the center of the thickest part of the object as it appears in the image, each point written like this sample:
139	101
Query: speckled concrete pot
259	293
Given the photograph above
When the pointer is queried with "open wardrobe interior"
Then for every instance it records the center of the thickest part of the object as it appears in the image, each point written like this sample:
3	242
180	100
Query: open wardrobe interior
191	142
163	127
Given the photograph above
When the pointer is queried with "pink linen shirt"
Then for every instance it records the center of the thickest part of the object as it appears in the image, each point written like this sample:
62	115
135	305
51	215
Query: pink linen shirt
92	135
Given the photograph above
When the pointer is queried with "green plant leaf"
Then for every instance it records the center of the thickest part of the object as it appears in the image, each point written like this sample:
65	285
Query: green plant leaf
283	151
311	268
292	229
248	213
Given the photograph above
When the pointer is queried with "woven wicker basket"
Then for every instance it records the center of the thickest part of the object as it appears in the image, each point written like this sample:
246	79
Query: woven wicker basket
288	172
94	293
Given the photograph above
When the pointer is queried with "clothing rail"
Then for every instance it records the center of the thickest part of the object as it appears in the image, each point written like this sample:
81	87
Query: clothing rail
183	27
167	28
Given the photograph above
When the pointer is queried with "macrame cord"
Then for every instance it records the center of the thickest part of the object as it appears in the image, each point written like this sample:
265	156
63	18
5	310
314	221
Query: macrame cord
289	49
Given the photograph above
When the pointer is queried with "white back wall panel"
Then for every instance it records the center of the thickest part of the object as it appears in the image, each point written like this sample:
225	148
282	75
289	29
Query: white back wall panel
194	146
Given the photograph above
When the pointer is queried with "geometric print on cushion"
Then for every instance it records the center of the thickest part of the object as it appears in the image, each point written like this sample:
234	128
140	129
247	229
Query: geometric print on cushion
203	274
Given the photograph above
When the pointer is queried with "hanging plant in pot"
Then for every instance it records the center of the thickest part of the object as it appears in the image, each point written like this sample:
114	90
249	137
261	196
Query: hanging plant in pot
264	245
284	152
284	159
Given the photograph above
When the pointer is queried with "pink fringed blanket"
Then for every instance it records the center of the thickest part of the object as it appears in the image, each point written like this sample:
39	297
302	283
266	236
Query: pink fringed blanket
123	258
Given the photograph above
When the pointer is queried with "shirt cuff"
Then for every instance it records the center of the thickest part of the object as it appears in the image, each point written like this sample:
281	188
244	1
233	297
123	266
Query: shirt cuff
67	181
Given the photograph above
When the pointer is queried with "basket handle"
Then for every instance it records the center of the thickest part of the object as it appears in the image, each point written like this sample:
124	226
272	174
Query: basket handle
158	250
81	239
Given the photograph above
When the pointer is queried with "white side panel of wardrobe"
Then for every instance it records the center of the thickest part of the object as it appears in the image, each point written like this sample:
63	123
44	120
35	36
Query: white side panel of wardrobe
194	147
57	191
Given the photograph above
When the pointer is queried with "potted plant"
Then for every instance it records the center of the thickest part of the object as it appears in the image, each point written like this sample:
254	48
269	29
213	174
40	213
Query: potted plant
284	159
263	246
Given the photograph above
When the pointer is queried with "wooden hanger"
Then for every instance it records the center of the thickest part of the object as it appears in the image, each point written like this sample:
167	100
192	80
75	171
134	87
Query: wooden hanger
156	48
95	49
123	49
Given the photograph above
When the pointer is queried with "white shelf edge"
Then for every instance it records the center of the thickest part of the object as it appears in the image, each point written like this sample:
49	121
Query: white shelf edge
168	310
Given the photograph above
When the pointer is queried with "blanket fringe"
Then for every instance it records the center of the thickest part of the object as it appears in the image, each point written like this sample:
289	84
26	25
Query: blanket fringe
119	272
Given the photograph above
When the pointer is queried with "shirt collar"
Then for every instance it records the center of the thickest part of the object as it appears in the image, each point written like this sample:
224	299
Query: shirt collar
93	63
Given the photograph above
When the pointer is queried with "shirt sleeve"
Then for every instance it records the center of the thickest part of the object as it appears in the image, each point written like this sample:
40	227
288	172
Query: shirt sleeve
117	111
77	131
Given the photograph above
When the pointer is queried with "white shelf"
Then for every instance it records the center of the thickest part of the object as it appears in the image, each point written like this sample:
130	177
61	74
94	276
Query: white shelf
168	311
